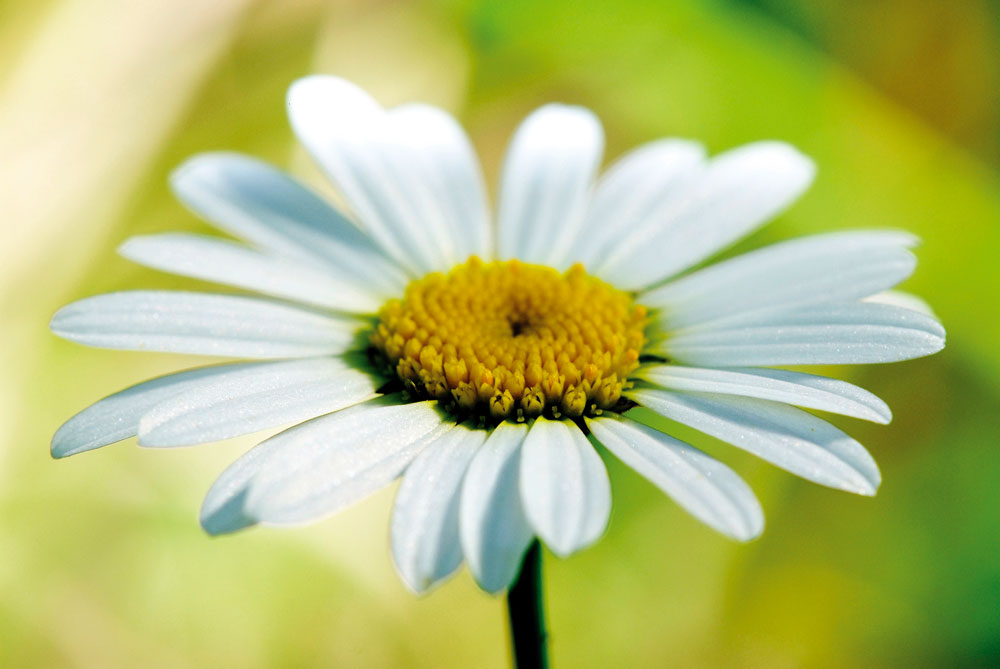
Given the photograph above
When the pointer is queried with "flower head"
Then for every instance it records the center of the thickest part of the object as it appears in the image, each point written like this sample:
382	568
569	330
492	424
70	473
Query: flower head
404	335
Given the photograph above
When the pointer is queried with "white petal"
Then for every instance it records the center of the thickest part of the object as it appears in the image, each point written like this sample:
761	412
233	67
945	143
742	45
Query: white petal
116	417
898	298
452	175
424	529
631	192
564	486
223	509
353	140
355	469
706	488
222	261
740	190
804	390
494	531
265	206
835	267
319	467
546	180
787	437
836	333
255	398
203	323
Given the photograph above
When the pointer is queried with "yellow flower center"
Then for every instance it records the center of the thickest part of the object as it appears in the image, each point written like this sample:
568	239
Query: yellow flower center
511	340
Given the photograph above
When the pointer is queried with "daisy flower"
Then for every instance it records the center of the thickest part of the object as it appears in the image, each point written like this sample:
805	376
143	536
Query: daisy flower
404	333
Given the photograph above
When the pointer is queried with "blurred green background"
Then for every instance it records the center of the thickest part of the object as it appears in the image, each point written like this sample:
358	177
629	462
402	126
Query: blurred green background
102	562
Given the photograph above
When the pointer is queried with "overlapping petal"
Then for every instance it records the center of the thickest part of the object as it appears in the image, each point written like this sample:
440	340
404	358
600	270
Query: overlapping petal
706	488
255	398
632	193
804	390
270	209
564	486
117	416
836	333
204	324
787	437
425	517
836	267
320	466
449	166
545	186
381	169
225	262
738	192
494	530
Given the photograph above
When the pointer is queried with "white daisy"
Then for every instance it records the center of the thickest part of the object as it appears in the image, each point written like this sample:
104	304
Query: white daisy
406	335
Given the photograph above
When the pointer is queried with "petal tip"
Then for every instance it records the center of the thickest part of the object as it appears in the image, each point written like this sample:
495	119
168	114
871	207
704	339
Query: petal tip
226	519
59	449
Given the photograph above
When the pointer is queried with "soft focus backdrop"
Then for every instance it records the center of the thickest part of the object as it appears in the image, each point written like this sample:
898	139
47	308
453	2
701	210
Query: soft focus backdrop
102	562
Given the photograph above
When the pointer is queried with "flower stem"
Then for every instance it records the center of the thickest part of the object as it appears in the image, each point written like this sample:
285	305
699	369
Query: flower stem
526	609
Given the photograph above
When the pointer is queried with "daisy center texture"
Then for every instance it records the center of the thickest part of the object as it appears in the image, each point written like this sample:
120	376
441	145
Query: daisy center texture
512	340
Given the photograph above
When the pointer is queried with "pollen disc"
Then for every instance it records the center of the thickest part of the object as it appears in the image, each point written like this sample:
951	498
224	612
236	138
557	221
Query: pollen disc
512	340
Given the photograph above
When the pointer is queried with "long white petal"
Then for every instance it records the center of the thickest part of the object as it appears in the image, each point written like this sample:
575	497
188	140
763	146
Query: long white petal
852	333
117	416
494	531
740	190
787	437
353	140
256	398
706	488
319	467
203	323
229	263
424	528
904	300
355	469
268	208
631	192
546	180
804	390
835	267
564	486
452	174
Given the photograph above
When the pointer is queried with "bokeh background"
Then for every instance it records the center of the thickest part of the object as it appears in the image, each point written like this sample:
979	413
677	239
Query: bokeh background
102	562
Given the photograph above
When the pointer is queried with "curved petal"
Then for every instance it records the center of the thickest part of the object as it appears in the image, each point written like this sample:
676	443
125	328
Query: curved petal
852	333
256	398
784	436
117	416
452	175
225	262
804	390
903	300
836	267
319	467
223	510
631	192
424	529
204	324
262	205
360	149
494	531
564	486
738	192
546	180
703	486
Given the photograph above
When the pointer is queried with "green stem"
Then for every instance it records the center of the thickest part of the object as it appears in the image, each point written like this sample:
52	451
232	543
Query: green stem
526	609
